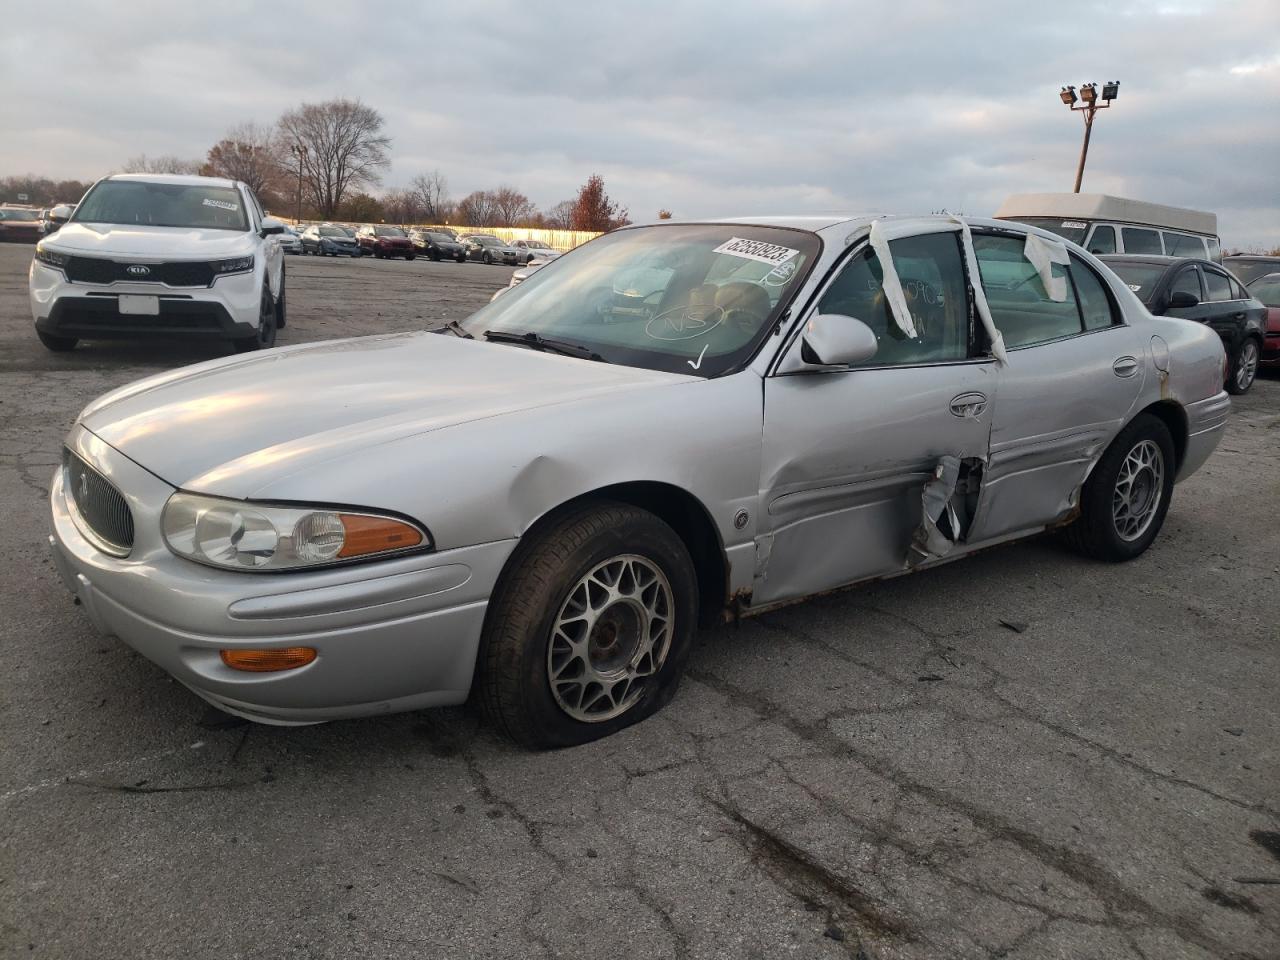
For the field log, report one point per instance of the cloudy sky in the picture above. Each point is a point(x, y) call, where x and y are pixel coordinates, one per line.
point(705, 108)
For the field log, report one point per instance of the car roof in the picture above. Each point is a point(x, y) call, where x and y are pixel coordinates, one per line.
point(176, 178)
point(1257, 257)
point(1151, 258)
point(1102, 206)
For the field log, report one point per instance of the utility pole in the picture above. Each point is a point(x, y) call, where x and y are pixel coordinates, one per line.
point(1089, 106)
point(299, 150)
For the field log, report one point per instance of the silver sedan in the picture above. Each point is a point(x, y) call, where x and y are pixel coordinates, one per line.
point(670, 424)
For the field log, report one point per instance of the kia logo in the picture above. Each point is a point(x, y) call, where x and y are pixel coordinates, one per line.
point(139, 270)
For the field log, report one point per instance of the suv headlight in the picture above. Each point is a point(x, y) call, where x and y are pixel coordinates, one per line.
point(50, 259)
point(235, 265)
point(240, 535)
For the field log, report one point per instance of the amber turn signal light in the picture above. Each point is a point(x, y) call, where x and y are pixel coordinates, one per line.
point(366, 535)
point(268, 661)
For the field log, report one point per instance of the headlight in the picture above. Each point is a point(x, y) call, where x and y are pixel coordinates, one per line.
point(240, 535)
point(51, 259)
point(236, 265)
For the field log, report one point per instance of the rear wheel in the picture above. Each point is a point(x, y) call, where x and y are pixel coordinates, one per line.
point(410, 256)
point(57, 344)
point(590, 629)
point(1124, 501)
point(1245, 368)
point(487, 258)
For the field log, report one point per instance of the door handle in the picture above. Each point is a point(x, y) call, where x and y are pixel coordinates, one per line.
point(968, 405)
point(1125, 367)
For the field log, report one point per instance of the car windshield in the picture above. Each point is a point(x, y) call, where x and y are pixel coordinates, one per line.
point(200, 206)
point(388, 231)
point(19, 215)
point(692, 298)
point(1073, 230)
point(1249, 270)
point(488, 241)
point(1141, 278)
point(333, 232)
point(1267, 289)
point(440, 237)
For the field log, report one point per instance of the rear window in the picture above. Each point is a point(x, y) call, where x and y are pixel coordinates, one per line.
point(198, 206)
point(1137, 240)
point(1141, 278)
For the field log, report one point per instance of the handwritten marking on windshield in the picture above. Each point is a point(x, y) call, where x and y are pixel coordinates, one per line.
point(700, 356)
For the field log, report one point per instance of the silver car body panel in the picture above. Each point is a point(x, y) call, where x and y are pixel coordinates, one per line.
point(811, 481)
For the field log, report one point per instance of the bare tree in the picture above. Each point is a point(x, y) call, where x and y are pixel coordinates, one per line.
point(342, 148)
point(512, 208)
point(252, 154)
point(40, 190)
point(432, 190)
point(560, 216)
point(166, 164)
point(477, 209)
point(403, 207)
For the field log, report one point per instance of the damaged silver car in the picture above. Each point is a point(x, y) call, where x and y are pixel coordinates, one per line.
point(537, 505)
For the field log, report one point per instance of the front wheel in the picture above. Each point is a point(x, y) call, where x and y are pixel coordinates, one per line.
point(266, 335)
point(410, 256)
point(590, 629)
point(1245, 369)
point(1124, 501)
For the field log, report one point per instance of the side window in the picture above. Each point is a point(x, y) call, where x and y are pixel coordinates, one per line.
point(1103, 240)
point(931, 271)
point(1137, 240)
point(1188, 281)
point(1095, 305)
point(1215, 249)
point(1216, 286)
point(1182, 245)
point(1020, 305)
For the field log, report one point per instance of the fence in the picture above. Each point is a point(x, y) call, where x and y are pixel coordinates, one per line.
point(558, 239)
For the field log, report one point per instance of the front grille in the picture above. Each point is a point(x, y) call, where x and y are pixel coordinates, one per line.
point(178, 273)
point(100, 505)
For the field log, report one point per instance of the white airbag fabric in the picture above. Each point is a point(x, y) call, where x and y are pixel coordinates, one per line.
point(1043, 254)
point(890, 283)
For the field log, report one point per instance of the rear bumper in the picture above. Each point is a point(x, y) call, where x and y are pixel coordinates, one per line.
point(395, 635)
point(1206, 423)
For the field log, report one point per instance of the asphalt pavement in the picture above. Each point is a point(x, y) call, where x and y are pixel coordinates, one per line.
point(1024, 754)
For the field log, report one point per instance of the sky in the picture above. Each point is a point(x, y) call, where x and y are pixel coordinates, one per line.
point(703, 108)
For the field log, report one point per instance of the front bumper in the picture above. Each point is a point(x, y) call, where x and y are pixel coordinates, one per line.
point(390, 636)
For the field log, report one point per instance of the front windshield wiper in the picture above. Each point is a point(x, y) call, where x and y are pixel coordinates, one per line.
point(539, 342)
point(454, 327)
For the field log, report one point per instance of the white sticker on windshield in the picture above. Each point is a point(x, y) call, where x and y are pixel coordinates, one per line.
point(756, 250)
point(1135, 287)
point(222, 204)
point(1076, 224)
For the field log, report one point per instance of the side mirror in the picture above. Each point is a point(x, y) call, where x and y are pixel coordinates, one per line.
point(61, 213)
point(271, 227)
point(830, 340)
point(1181, 300)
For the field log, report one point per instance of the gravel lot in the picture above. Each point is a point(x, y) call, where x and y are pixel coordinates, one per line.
point(890, 770)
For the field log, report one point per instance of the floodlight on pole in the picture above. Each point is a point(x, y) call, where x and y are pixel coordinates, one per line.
point(1088, 107)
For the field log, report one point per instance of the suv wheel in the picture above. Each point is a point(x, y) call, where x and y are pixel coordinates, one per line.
point(266, 335)
point(1245, 369)
point(590, 629)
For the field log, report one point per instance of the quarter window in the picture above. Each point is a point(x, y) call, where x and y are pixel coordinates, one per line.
point(931, 270)
point(1020, 305)
point(1103, 240)
point(1216, 286)
point(1137, 240)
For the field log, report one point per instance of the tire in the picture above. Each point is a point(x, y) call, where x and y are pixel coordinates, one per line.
point(1244, 367)
point(435, 257)
point(280, 303)
point(544, 582)
point(266, 335)
point(487, 258)
point(410, 256)
point(461, 259)
point(57, 344)
point(1097, 531)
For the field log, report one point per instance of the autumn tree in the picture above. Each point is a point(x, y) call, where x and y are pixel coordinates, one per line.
point(594, 211)
point(342, 149)
point(254, 155)
point(163, 164)
point(432, 190)
point(664, 214)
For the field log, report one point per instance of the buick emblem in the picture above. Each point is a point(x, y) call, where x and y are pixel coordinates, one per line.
point(138, 270)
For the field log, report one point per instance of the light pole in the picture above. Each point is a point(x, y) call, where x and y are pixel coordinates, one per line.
point(299, 150)
point(1089, 106)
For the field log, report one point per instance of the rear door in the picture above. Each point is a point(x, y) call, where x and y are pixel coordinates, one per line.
point(1073, 374)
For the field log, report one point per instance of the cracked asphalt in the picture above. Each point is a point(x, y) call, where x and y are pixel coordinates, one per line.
point(1024, 754)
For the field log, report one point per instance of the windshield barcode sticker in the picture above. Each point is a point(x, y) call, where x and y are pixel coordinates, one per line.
point(222, 204)
point(1074, 224)
point(756, 250)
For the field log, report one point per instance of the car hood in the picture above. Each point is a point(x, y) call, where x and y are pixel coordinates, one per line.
point(171, 243)
point(230, 426)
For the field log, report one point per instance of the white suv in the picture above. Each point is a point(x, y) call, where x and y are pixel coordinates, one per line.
point(146, 254)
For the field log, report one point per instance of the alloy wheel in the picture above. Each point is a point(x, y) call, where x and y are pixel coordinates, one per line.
point(1138, 491)
point(1247, 366)
point(610, 637)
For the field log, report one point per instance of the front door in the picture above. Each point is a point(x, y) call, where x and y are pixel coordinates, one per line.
point(847, 453)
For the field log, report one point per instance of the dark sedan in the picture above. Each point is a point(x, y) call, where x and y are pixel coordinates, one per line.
point(385, 242)
point(437, 245)
point(1267, 289)
point(1201, 290)
point(329, 241)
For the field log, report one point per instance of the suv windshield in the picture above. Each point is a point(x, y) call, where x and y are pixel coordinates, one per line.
point(163, 205)
point(334, 232)
point(19, 215)
point(388, 231)
point(692, 298)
